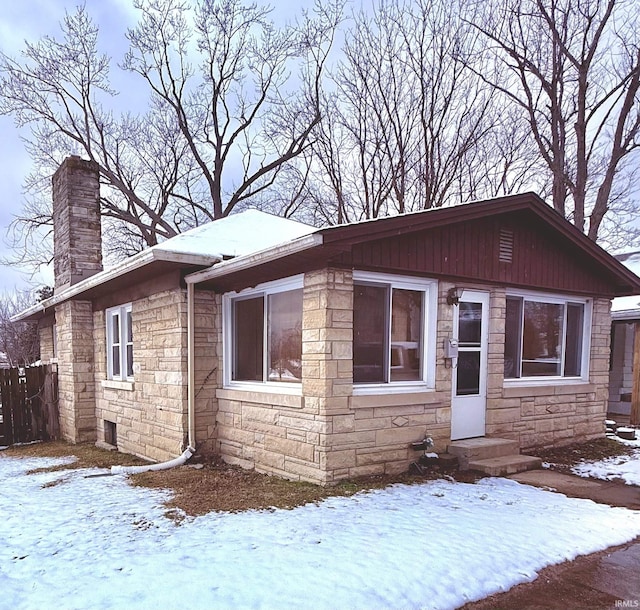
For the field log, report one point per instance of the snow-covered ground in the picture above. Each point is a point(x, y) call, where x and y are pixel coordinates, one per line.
point(625, 467)
point(76, 542)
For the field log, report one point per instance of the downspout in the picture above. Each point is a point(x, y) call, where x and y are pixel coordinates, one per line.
point(191, 387)
point(179, 461)
point(191, 400)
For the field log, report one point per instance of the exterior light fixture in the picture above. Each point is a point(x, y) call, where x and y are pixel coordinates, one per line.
point(453, 296)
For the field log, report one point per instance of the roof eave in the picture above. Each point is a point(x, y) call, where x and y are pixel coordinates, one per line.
point(248, 261)
point(137, 261)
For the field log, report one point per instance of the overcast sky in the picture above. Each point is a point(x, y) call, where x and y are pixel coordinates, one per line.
point(30, 21)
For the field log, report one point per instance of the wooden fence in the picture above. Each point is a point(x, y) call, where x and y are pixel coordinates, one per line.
point(29, 404)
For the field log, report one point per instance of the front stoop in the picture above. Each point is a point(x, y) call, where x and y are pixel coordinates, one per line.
point(493, 456)
point(506, 464)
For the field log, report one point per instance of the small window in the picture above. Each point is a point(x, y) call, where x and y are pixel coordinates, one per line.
point(266, 334)
point(119, 343)
point(110, 433)
point(544, 337)
point(389, 322)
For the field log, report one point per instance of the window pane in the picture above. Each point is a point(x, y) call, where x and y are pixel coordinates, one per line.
point(469, 323)
point(285, 336)
point(513, 334)
point(542, 339)
point(248, 325)
point(468, 373)
point(115, 360)
point(115, 329)
point(129, 360)
point(406, 329)
point(370, 304)
point(573, 345)
point(129, 328)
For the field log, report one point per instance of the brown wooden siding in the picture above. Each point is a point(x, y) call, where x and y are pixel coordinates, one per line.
point(470, 251)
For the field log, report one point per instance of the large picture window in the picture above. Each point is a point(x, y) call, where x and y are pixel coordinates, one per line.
point(266, 335)
point(119, 343)
point(545, 337)
point(389, 329)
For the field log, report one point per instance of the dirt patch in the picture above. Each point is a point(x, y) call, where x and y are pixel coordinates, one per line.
point(565, 458)
point(215, 486)
point(572, 584)
point(87, 455)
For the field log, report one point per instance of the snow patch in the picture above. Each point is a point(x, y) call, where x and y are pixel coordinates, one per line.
point(100, 542)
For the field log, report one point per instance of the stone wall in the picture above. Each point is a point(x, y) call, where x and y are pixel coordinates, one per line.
point(549, 414)
point(47, 351)
point(208, 370)
point(76, 377)
point(327, 434)
point(150, 412)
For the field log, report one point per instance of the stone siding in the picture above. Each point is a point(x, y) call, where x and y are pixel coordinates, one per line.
point(47, 343)
point(207, 365)
point(76, 382)
point(150, 413)
point(328, 434)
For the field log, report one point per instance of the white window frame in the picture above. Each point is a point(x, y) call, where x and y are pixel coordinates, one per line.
point(429, 288)
point(120, 311)
point(562, 299)
point(291, 283)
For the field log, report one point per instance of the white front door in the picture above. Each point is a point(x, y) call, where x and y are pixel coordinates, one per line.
point(469, 397)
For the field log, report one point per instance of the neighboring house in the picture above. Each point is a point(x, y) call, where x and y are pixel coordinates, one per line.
point(624, 382)
point(321, 354)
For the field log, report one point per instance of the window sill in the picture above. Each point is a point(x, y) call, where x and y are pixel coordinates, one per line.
point(547, 387)
point(114, 384)
point(267, 395)
point(376, 389)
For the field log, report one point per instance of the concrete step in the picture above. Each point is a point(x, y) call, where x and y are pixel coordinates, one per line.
point(482, 448)
point(505, 464)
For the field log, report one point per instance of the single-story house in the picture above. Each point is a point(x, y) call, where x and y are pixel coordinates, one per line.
point(321, 354)
point(624, 376)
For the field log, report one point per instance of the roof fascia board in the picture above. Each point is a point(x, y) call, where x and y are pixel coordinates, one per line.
point(131, 264)
point(626, 314)
point(241, 263)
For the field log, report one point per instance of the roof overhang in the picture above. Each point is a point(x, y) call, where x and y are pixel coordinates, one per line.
point(315, 250)
point(138, 268)
point(208, 277)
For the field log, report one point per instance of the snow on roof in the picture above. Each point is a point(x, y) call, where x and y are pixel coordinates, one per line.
point(631, 260)
point(243, 233)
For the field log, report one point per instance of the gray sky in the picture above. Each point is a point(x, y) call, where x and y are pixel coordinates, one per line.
point(30, 21)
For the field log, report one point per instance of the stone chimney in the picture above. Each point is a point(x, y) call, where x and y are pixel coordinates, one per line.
point(77, 240)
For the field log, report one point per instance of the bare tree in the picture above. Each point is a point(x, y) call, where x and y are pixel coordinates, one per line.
point(19, 341)
point(573, 70)
point(234, 111)
point(404, 127)
point(232, 100)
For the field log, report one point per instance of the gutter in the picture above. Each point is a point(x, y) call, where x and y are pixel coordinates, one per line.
point(625, 314)
point(131, 264)
point(241, 263)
